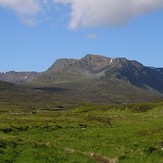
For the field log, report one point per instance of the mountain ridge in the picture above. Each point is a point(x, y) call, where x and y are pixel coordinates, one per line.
point(96, 66)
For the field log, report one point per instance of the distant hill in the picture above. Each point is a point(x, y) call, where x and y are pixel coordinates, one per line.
point(96, 78)
point(17, 77)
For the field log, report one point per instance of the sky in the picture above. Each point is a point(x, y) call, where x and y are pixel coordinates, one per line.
point(35, 33)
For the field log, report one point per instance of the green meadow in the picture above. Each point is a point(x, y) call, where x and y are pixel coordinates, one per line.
point(83, 134)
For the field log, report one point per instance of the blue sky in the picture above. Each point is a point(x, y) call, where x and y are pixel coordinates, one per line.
point(33, 38)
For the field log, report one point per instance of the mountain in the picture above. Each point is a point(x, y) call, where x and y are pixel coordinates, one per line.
point(17, 77)
point(95, 78)
point(101, 67)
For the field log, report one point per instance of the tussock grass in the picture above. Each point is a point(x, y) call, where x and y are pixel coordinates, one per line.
point(85, 133)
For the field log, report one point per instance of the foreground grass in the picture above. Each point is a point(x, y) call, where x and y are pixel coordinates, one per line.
point(86, 133)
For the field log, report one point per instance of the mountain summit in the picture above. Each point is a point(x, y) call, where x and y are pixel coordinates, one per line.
point(93, 64)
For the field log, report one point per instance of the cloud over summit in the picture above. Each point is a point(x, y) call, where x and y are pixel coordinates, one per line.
point(87, 13)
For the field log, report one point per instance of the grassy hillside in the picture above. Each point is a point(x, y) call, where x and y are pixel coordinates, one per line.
point(101, 91)
point(85, 133)
point(23, 98)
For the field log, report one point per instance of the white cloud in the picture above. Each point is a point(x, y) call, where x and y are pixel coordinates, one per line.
point(93, 13)
point(25, 9)
point(85, 13)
